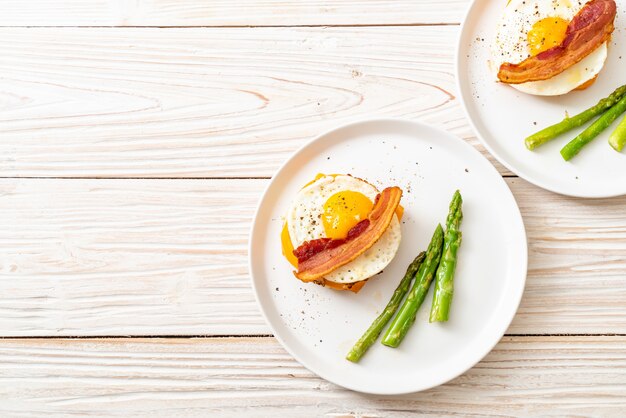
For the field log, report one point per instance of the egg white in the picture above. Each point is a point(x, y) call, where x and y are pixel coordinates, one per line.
point(304, 223)
point(511, 45)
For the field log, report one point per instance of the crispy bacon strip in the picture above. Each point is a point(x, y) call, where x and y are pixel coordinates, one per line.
point(330, 259)
point(590, 28)
point(309, 248)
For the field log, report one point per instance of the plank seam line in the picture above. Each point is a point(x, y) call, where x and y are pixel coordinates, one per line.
point(208, 336)
point(506, 176)
point(617, 334)
point(131, 178)
point(346, 25)
point(130, 337)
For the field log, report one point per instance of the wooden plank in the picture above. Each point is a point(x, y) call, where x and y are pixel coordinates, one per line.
point(207, 102)
point(228, 13)
point(126, 257)
point(573, 244)
point(168, 257)
point(522, 376)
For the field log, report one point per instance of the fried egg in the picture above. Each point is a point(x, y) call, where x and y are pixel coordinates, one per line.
point(529, 27)
point(328, 208)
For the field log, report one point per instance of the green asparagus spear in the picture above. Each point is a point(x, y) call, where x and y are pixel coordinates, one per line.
point(444, 285)
point(372, 333)
point(568, 123)
point(406, 316)
point(575, 145)
point(618, 138)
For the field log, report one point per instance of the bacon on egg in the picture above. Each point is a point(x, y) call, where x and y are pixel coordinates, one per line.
point(590, 28)
point(319, 257)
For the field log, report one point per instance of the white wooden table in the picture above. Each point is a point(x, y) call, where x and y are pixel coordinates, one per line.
point(135, 139)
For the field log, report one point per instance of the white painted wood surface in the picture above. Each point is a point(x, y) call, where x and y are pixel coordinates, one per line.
point(228, 12)
point(148, 102)
point(255, 377)
point(131, 160)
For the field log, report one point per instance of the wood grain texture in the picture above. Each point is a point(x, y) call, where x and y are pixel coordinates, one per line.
point(208, 102)
point(521, 377)
point(126, 257)
point(227, 12)
point(168, 257)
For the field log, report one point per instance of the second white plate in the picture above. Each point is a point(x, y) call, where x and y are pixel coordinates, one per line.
point(319, 325)
point(502, 117)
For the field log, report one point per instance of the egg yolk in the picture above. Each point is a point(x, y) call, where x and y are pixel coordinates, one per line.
point(287, 246)
point(546, 33)
point(342, 211)
point(319, 176)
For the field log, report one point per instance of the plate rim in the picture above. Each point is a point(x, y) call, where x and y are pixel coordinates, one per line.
point(449, 376)
point(516, 170)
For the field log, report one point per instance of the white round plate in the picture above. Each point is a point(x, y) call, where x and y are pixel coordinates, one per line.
point(502, 117)
point(318, 325)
